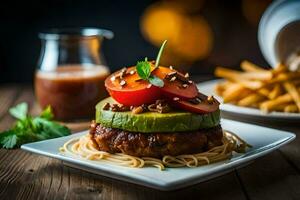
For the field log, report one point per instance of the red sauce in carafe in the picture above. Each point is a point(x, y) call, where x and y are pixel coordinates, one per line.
point(72, 90)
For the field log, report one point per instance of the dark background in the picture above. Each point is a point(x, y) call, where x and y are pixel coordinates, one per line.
point(235, 38)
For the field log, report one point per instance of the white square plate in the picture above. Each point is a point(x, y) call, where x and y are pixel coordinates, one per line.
point(264, 140)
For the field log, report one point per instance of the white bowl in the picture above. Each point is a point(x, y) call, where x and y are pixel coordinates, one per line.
point(278, 16)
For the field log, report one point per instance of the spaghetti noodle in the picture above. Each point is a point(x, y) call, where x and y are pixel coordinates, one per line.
point(83, 147)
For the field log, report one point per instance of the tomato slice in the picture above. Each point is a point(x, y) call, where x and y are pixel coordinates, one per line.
point(136, 97)
point(134, 92)
point(202, 106)
point(130, 90)
point(176, 89)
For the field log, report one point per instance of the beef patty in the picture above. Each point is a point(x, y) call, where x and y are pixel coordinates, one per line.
point(155, 144)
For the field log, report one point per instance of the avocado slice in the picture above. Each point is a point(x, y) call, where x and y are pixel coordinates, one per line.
point(176, 121)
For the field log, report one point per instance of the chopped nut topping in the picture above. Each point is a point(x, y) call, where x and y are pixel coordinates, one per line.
point(173, 78)
point(123, 108)
point(210, 99)
point(176, 99)
point(122, 82)
point(144, 106)
point(159, 106)
point(123, 72)
point(152, 107)
point(106, 106)
point(116, 107)
point(184, 85)
point(137, 110)
point(113, 78)
point(182, 78)
point(190, 82)
point(172, 74)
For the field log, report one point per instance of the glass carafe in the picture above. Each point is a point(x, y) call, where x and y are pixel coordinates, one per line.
point(71, 72)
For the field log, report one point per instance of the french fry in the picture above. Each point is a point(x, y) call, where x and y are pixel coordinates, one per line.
point(275, 92)
point(292, 90)
point(264, 91)
point(270, 105)
point(280, 68)
point(287, 76)
point(277, 89)
point(251, 67)
point(281, 107)
point(251, 100)
point(253, 85)
point(292, 108)
point(220, 88)
point(236, 75)
point(232, 93)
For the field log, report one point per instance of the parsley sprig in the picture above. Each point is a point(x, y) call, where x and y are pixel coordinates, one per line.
point(143, 69)
point(30, 129)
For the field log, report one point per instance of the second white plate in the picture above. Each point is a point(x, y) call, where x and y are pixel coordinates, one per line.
point(208, 88)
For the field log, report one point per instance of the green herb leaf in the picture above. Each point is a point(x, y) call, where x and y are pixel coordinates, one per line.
point(19, 111)
point(143, 69)
point(53, 129)
point(159, 53)
point(9, 141)
point(6, 133)
point(154, 80)
point(47, 113)
point(31, 129)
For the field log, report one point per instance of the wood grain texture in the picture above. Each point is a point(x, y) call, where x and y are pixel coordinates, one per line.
point(271, 177)
point(28, 176)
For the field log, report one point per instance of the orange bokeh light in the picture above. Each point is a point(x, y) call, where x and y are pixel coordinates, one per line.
point(189, 37)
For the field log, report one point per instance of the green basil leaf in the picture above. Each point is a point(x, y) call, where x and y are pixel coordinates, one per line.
point(143, 69)
point(154, 80)
point(19, 111)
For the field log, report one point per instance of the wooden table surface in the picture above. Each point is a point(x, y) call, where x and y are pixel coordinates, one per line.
point(29, 176)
